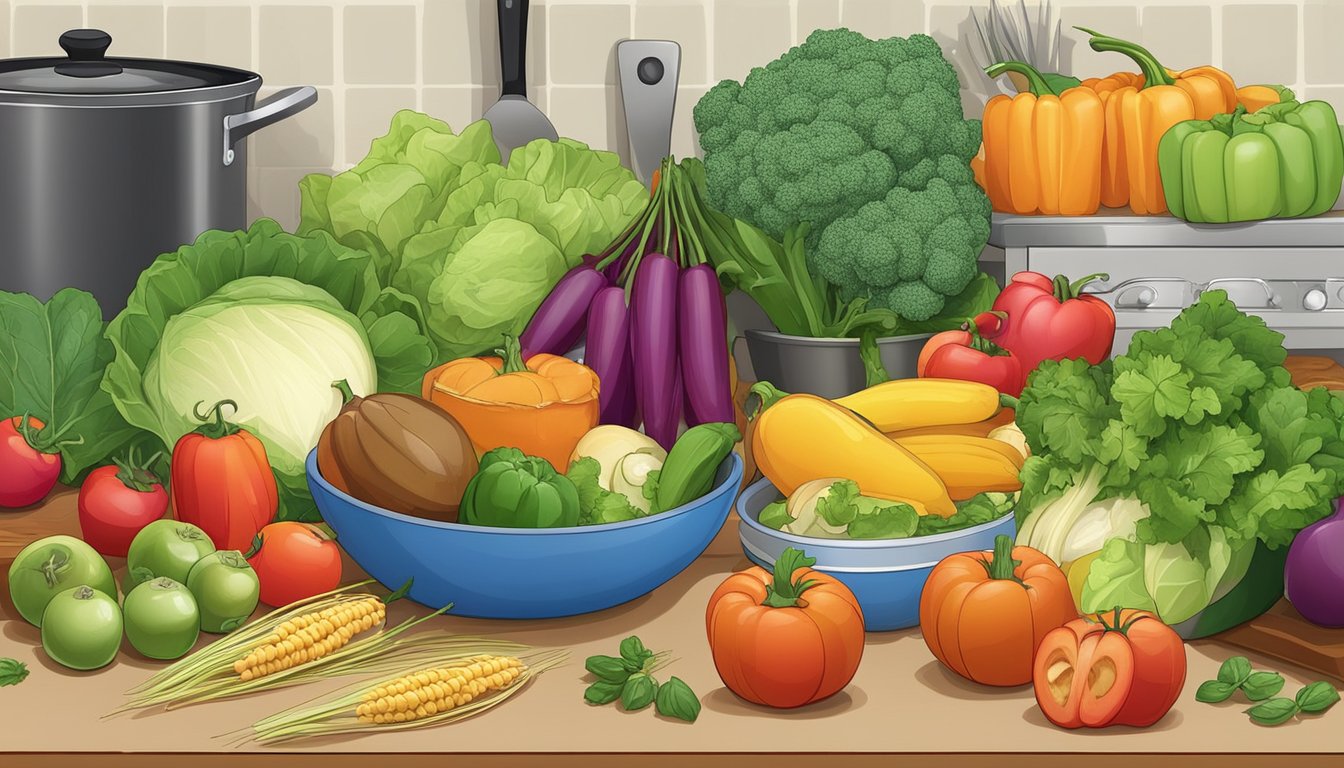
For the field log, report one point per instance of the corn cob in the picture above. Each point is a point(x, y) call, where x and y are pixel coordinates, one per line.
point(431, 691)
point(310, 636)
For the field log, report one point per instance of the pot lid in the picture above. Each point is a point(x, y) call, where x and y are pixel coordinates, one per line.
point(87, 70)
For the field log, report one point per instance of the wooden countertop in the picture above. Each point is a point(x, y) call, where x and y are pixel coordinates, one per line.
point(901, 703)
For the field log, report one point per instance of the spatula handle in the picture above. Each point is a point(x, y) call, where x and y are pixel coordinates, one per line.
point(513, 47)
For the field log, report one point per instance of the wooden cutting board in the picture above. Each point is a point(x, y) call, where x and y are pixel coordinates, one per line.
point(1282, 633)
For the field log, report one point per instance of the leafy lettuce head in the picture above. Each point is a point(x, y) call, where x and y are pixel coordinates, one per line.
point(478, 243)
point(268, 320)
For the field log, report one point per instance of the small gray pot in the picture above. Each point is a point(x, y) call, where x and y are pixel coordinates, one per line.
point(828, 368)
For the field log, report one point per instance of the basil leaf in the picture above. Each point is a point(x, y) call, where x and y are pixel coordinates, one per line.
point(676, 699)
point(638, 692)
point(1262, 685)
point(12, 672)
point(1234, 671)
point(608, 669)
point(1214, 691)
point(633, 651)
point(602, 692)
point(1273, 712)
point(1317, 697)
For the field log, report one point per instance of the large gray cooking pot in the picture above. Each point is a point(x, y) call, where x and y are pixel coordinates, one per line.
point(829, 368)
point(105, 163)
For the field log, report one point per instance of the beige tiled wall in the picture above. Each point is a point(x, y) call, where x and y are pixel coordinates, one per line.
point(369, 58)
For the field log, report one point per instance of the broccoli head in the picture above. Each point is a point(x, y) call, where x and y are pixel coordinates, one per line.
point(865, 141)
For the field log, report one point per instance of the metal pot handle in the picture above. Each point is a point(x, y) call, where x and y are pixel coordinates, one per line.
point(286, 103)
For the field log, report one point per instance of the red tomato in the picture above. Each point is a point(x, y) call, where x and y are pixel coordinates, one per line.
point(1121, 668)
point(116, 502)
point(294, 561)
point(27, 474)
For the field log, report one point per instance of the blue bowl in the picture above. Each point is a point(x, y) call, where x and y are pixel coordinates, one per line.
point(517, 573)
point(886, 575)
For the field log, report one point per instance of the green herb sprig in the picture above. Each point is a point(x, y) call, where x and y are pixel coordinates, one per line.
point(12, 672)
point(629, 679)
point(1236, 674)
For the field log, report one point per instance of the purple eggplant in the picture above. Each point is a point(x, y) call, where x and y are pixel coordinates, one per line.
point(559, 321)
point(608, 354)
point(653, 344)
point(702, 346)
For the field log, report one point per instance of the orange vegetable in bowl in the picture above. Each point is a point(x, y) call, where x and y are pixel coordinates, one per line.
point(984, 614)
point(541, 407)
point(1120, 668)
point(787, 638)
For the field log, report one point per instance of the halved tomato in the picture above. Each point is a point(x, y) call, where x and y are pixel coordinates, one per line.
point(1120, 668)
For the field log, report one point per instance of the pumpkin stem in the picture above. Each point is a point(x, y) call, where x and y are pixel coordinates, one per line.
point(1001, 564)
point(347, 394)
point(219, 427)
point(785, 592)
point(512, 355)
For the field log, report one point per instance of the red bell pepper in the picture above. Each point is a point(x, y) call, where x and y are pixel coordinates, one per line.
point(968, 356)
point(222, 481)
point(1045, 319)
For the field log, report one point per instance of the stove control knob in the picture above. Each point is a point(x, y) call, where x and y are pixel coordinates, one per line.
point(1314, 300)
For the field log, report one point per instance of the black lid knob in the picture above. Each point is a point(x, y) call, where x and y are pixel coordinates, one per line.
point(86, 44)
point(650, 71)
point(86, 49)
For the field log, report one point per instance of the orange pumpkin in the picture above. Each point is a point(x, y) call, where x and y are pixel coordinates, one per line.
point(984, 614)
point(541, 407)
point(787, 638)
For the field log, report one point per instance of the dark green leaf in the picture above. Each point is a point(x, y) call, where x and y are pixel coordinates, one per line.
point(633, 651)
point(1214, 691)
point(638, 692)
point(402, 591)
point(1273, 712)
point(608, 669)
point(52, 359)
point(676, 699)
point(13, 672)
point(602, 692)
point(1234, 671)
point(1262, 685)
point(1317, 697)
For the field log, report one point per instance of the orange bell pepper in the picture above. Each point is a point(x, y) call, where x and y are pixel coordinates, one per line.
point(1114, 176)
point(1211, 90)
point(1043, 149)
point(542, 407)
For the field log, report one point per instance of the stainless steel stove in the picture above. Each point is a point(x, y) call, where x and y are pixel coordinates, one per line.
point(1288, 271)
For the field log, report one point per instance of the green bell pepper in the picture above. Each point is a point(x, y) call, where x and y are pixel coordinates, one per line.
point(514, 490)
point(1284, 161)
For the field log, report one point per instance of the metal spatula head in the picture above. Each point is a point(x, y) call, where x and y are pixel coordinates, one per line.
point(514, 120)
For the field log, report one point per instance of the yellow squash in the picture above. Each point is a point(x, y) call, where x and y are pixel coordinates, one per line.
point(913, 403)
point(968, 465)
point(800, 438)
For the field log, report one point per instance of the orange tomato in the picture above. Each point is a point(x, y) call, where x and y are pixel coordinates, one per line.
point(787, 638)
point(984, 614)
point(1123, 668)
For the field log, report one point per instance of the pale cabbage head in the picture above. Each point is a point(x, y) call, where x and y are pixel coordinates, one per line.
point(272, 345)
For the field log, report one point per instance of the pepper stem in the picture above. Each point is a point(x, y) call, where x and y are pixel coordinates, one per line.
point(1008, 401)
point(766, 395)
point(1064, 290)
point(1153, 71)
point(219, 427)
point(785, 592)
point(1035, 81)
point(512, 355)
point(1001, 564)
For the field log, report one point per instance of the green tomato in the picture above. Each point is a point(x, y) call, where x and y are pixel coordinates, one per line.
point(162, 620)
point(81, 628)
point(167, 548)
point(50, 566)
point(226, 590)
